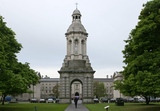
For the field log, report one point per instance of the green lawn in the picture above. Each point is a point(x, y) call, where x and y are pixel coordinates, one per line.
point(33, 107)
point(91, 107)
point(126, 107)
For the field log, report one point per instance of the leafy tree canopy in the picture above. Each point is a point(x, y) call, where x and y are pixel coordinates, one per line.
point(55, 90)
point(15, 77)
point(99, 89)
point(142, 54)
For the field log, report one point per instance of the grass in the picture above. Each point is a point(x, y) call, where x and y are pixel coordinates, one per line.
point(33, 107)
point(91, 107)
point(126, 107)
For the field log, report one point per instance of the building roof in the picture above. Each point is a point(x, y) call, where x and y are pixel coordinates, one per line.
point(76, 11)
point(103, 79)
point(49, 80)
point(76, 26)
point(95, 79)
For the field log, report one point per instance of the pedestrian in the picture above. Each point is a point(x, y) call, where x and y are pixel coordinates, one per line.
point(76, 100)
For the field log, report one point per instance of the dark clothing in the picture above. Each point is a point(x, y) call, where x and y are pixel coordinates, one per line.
point(76, 101)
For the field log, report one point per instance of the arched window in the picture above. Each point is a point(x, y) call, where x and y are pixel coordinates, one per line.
point(76, 46)
point(70, 41)
point(82, 46)
point(69, 46)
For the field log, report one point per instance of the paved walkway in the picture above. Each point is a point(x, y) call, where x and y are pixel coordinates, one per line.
point(80, 107)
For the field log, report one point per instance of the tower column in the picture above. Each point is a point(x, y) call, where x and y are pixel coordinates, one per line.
point(72, 47)
point(68, 45)
point(80, 49)
point(80, 46)
point(85, 51)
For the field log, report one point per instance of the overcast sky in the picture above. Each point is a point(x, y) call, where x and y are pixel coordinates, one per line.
point(40, 26)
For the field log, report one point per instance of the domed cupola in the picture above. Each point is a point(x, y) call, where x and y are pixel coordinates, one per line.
point(76, 14)
point(76, 37)
point(76, 26)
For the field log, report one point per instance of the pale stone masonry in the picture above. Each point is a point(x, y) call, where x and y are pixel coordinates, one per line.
point(44, 88)
point(117, 76)
point(76, 65)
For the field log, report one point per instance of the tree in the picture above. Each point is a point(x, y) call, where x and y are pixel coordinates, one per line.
point(15, 77)
point(142, 55)
point(56, 90)
point(8, 47)
point(99, 89)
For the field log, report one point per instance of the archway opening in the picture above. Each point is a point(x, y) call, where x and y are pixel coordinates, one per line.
point(77, 94)
point(76, 89)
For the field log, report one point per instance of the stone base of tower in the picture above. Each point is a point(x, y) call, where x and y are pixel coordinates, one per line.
point(68, 100)
point(65, 100)
point(76, 70)
point(88, 100)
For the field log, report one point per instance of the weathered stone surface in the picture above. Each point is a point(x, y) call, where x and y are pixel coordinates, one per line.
point(76, 65)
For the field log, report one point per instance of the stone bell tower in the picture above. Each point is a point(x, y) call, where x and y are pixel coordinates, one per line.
point(76, 65)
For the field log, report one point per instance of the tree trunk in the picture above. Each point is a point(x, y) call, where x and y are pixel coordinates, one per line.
point(33, 90)
point(3, 99)
point(147, 100)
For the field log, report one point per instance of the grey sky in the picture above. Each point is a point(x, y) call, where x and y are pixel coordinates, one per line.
point(40, 26)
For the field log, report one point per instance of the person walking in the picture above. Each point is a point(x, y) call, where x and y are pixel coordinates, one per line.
point(76, 100)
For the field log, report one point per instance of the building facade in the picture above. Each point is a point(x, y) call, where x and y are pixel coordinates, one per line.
point(44, 89)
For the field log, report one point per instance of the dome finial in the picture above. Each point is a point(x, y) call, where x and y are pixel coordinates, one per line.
point(76, 5)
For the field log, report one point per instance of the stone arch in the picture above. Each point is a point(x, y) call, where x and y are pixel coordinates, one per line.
point(78, 90)
point(76, 79)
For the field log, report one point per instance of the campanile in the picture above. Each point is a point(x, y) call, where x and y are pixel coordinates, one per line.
point(76, 66)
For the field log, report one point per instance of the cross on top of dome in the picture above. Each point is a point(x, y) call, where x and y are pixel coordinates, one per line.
point(76, 5)
point(76, 11)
